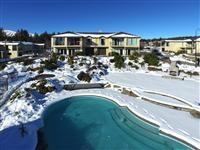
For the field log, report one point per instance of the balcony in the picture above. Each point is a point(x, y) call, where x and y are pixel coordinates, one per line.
point(118, 42)
point(74, 42)
point(59, 41)
point(90, 43)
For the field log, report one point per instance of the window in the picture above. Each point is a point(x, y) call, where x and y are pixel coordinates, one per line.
point(59, 41)
point(14, 48)
point(167, 44)
point(118, 41)
point(73, 41)
point(131, 41)
point(89, 41)
point(102, 41)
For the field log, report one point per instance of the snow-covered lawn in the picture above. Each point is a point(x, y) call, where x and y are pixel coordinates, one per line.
point(29, 110)
point(186, 89)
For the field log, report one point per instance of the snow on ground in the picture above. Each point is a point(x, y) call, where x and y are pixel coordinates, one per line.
point(186, 89)
point(180, 58)
point(28, 110)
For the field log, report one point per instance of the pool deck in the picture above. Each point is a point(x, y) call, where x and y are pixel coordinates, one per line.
point(175, 123)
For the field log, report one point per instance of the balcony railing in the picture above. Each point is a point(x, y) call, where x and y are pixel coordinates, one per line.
point(73, 42)
point(118, 42)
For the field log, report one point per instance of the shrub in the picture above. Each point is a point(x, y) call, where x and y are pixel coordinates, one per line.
point(135, 66)
point(151, 59)
point(191, 73)
point(195, 73)
point(70, 60)
point(41, 70)
point(119, 61)
point(142, 63)
point(78, 53)
point(50, 65)
point(105, 66)
point(84, 76)
point(71, 66)
point(99, 64)
point(113, 53)
point(154, 69)
point(134, 56)
point(92, 68)
point(95, 60)
point(180, 52)
point(2, 66)
point(41, 88)
point(62, 58)
point(112, 60)
point(27, 62)
point(130, 63)
point(54, 57)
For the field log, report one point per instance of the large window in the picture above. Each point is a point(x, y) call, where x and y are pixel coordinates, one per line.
point(131, 41)
point(73, 41)
point(118, 41)
point(59, 41)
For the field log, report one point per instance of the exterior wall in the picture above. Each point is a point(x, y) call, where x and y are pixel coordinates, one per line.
point(176, 46)
point(173, 46)
point(197, 47)
point(96, 45)
point(13, 53)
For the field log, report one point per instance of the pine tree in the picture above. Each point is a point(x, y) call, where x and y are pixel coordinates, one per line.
point(22, 35)
point(2, 35)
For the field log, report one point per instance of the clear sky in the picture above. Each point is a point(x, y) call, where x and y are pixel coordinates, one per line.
point(147, 18)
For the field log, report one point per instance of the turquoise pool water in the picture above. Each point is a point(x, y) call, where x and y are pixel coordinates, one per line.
point(89, 122)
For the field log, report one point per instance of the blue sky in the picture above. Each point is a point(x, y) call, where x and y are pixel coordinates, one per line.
point(147, 18)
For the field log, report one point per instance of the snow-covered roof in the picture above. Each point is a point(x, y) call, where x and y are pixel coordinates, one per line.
point(185, 40)
point(16, 43)
point(39, 44)
point(123, 35)
point(95, 34)
point(198, 39)
point(9, 43)
point(68, 34)
point(27, 43)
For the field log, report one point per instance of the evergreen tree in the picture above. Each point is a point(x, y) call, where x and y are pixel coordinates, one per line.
point(46, 39)
point(2, 35)
point(22, 35)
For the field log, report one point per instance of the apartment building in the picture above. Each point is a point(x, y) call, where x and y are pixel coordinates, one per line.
point(17, 49)
point(95, 43)
point(185, 45)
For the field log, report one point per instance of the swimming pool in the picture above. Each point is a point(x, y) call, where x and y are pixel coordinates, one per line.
point(90, 122)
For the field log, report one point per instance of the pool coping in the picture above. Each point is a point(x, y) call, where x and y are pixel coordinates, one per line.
point(164, 131)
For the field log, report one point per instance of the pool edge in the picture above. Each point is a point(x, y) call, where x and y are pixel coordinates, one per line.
point(164, 131)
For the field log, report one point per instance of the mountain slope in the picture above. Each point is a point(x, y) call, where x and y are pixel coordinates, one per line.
point(12, 33)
